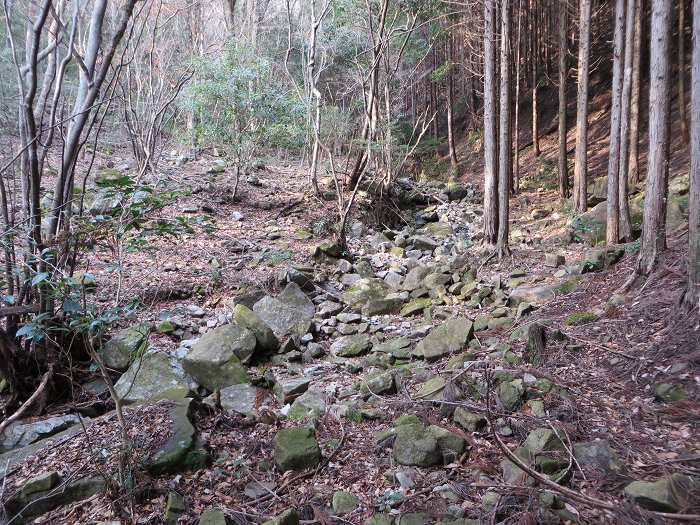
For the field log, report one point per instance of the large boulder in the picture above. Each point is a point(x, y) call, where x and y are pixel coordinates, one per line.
point(246, 318)
point(288, 314)
point(296, 449)
point(450, 337)
point(124, 346)
point(216, 360)
point(151, 377)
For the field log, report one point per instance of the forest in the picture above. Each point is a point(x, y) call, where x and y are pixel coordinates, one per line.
point(367, 262)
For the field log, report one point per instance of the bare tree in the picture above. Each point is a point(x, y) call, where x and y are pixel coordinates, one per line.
point(580, 196)
point(654, 227)
point(490, 159)
point(613, 218)
point(692, 294)
point(505, 141)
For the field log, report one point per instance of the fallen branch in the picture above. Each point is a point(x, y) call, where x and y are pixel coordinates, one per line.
point(21, 410)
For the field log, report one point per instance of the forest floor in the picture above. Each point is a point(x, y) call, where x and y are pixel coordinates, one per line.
point(603, 368)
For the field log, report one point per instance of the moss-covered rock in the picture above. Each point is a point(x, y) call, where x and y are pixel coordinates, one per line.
point(296, 449)
point(288, 517)
point(344, 502)
point(151, 377)
point(669, 494)
point(246, 318)
point(125, 346)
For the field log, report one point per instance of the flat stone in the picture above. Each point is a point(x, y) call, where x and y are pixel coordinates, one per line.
point(399, 348)
point(241, 399)
point(21, 434)
point(288, 517)
point(212, 517)
point(344, 502)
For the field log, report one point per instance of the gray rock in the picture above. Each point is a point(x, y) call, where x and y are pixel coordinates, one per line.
point(510, 393)
point(241, 399)
point(153, 376)
point(216, 360)
point(296, 449)
point(124, 346)
point(351, 345)
point(669, 494)
point(286, 391)
point(597, 454)
point(290, 313)
point(288, 517)
point(20, 434)
point(329, 308)
point(469, 421)
point(212, 517)
point(399, 348)
point(310, 405)
point(450, 337)
point(377, 383)
point(364, 291)
point(414, 278)
point(414, 446)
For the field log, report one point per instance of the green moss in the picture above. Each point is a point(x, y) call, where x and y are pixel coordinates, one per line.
point(566, 287)
point(580, 318)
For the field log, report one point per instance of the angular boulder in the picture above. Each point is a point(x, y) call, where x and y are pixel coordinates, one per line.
point(216, 360)
point(151, 377)
point(366, 291)
point(290, 313)
point(246, 318)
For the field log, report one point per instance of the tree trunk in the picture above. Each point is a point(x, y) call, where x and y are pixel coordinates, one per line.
point(581, 159)
point(516, 123)
point(505, 142)
point(692, 295)
point(681, 71)
point(450, 110)
point(654, 227)
point(613, 218)
point(633, 174)
point(535, 82)
point(229, 7)
point(490, 167)
point(563, 167)
point(625, 222)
